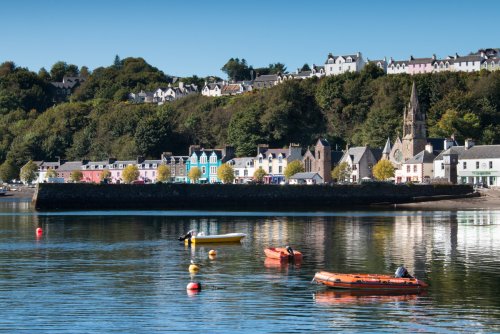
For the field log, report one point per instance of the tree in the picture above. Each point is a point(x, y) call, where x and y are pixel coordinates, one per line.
point(225, 173)
point(277, 68)
point(342, 172)
point(29, 172)
point(43, 74)
point(105, 175)
point(163, 173)
point(130, 173)
point(50, 173)
point(8, 171)
point(76, 176)
point(194, 174)
point(383, 170)
point(236, 69)
point(293, 168)
point(259, 174)
point(117, 63)
point(305, 67)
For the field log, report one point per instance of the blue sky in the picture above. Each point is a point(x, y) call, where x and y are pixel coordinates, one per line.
point(183, 38)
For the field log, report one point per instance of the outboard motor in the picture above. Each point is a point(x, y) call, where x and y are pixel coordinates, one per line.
point(401, 272)
point(291, 255)
point(186, 236)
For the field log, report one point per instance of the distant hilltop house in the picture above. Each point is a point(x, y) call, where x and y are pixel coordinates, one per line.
point(63, 90)
point(225, 88)
point(164, 94)
point(335, 65)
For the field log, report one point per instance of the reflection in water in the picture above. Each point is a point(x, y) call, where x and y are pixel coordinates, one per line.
point(112, 271)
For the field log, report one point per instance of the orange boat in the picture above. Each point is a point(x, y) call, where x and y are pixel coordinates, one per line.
point(282, 254)
point(368, 282)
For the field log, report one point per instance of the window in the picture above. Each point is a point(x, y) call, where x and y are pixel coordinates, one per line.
point(354, 167)
point(260, 160)
point(245, 172)
point(203, 159)
point(270, 169)
point(203, 170)
point(319, 155)
point(280, 159)
point(354, 178)
point(477, 164)
point(442, 165)
point(213, 158)
point(193, 159)
point(213, 170)
point(464, 165)
point(236, 173)
point(280, 170)
point(407, 168)
point(414, 168)
point(491, 164)
point(270, 159)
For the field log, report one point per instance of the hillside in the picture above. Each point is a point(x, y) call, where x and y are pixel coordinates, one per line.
point(359, 109)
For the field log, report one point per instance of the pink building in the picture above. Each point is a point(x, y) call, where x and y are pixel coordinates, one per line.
point(421, 65)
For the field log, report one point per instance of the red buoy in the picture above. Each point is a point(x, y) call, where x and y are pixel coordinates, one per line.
point(39, 231)
point(194, 286)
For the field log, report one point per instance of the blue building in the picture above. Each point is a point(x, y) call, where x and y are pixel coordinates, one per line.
point(208, 161)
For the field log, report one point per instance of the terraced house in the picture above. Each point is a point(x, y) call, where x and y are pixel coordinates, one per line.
point(208, 161)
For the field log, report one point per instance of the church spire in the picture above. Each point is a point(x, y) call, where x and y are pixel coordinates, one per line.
point(414, 106)
point(387, 147)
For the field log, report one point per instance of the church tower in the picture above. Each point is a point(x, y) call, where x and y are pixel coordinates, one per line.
point(414, 130)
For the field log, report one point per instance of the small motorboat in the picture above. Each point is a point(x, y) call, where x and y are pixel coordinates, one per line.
point(197, 238)
point(283, 254)
point(369, 281)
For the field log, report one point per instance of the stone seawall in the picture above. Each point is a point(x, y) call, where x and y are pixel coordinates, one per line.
point(81, 196)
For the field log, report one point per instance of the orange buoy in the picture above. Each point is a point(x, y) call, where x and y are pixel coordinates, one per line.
point(194, 286)
point(193, 268)
point(39, 231)
point(212, 252)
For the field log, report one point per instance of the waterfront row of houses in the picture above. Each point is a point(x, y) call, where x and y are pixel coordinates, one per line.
point(163, 94)
point(415, 157)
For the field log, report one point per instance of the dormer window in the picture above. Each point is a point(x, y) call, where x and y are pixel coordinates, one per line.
point(280, 159)
point(260, 160)
point(203, 159)
point(270, 158)
point(194, 159)
point(213, 158)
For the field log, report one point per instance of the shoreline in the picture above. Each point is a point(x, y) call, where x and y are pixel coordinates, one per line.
point(489, 199)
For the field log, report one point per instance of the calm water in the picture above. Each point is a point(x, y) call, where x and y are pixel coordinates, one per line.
point(125, 272)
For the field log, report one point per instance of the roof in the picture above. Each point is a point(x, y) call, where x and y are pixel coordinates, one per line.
point(470, 58)
point(240, 162)
point(356, 153)
point(481, 152)
point(452, 150)
point(208, 153)
point(421, 60)
point(421, 158)
point(275, 152)
point(387, 147)
point(70, 166)
point(266, 77)
point(231, 88)
point(306, 175)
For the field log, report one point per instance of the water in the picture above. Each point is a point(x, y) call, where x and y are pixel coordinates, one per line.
point(125, 272)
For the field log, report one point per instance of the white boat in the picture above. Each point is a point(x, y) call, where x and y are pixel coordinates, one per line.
point(3, 192)
point(201, 238)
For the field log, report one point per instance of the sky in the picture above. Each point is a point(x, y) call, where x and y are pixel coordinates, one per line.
point(184, 38)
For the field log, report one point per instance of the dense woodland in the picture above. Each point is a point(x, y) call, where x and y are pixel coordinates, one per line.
point(360, 109)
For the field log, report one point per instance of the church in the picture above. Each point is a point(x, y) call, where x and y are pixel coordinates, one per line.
point(414, 154)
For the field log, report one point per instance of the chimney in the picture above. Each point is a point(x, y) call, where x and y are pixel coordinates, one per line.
point(448, 142)
point(228, 153)
point(181, 84)
point(469, 143)
point(261, 148)
point(166, 155)
point(140, 159)
point(193, 148)
point(429, 148)
point(456, 55)
point(433, 56)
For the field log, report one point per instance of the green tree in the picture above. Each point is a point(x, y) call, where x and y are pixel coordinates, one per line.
point(277, 68)
point(51, 173)
point(305, 67)
point(236, 69)
point(117, 63)
point(76, 176)
point(342, 172)
point(29, 172)
point(244, 131)
point(8, 171)
point(130, 173)
point(225, 173)
point(194, 174)
point(383, 170)
point(293, 168)
point(163, 173)
point(259, 174)
point(43, 74)
point(105, 175)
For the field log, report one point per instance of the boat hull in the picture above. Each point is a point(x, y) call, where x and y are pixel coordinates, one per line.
point(368, 282)
point(216, 238)
point(281, 254)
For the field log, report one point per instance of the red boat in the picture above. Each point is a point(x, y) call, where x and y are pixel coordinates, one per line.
point(369, 282)
point(282, 254)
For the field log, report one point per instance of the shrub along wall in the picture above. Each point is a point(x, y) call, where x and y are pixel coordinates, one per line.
point(234, 197)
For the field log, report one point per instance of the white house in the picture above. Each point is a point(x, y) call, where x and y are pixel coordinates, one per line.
point(471, 63)
point(418, 169)
point(397, 66)
point(342, 64)
point(243, 169)
point(212, 89)
point(306, 178)
point(274, 161)
point(361, 161)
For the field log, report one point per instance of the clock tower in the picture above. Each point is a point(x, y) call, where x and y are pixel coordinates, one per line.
point(414, 130)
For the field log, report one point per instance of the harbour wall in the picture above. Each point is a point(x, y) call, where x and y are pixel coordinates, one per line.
point(229, 197)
